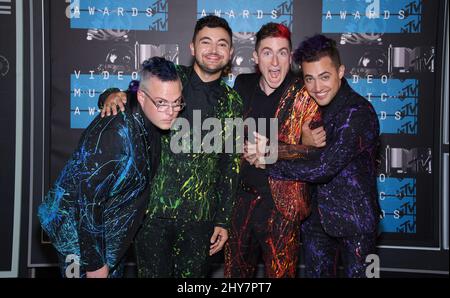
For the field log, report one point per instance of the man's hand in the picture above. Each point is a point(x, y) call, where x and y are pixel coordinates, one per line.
point(218, 239)
point(112, 101)
point(99, 273)
point(313, 137)
point(255, 153)
point(250, 153)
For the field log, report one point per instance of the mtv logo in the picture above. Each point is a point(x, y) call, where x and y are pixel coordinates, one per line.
point(146, 51)
point(407, 60)
point(407, 161)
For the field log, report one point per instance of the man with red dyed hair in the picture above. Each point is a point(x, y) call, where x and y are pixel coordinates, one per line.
point(267, 213)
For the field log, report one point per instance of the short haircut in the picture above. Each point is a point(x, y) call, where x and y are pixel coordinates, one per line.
point(212, 21)
point(160, 68)
point(316, 47)
point(273, 30)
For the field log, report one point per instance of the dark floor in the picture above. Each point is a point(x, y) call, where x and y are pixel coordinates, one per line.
point(217, 272)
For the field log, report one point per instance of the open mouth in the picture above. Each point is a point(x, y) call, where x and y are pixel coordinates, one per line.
point(213, 58)
point(321, 95)
point(274, 74)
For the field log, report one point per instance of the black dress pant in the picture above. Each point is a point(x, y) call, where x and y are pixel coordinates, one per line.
point(171, 248)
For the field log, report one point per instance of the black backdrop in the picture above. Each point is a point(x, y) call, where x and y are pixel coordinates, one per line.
point(393, 58)
point(8, 123)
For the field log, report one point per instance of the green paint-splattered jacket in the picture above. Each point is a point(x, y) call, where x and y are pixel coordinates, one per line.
point(198, 186)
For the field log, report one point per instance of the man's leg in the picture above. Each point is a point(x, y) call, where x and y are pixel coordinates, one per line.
point(354, 251)
point(191, 249)
point(279, 240)
point(321, 250)
point(154, 244)
point(241, 248)
point(118, 270)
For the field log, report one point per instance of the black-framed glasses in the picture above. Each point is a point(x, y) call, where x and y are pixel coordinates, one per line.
point(164, 106)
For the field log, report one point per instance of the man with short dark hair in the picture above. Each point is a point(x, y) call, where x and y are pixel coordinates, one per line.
point(92, 212)
point(192, 195)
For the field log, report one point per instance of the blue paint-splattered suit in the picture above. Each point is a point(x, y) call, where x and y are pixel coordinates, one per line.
point(345, 206)
point(98, 201)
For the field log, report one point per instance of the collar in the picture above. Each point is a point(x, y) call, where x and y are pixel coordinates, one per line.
point(280, 89)
point(142, 118)
point(196, 81)
point(338, 101)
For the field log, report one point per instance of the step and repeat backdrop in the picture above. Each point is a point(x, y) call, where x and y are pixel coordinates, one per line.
point(8, 94)
point(389, 48)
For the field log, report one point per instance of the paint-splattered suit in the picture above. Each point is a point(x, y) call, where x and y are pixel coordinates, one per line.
point(346, 211)
point(97, 203)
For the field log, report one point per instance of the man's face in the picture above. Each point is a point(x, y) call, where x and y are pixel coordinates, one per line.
point(274, 61)
point(322, 79)
point(156, 92)
point(212, 49)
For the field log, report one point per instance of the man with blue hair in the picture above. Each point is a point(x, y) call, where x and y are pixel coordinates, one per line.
point(97, 203)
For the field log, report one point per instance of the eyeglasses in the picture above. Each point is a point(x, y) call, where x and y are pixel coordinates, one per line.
point(163, 105)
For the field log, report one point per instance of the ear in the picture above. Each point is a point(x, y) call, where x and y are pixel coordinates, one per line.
point(255, 57)
point(341, 71)
point(191, 46)
point(140, 99)
point(231, 51)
